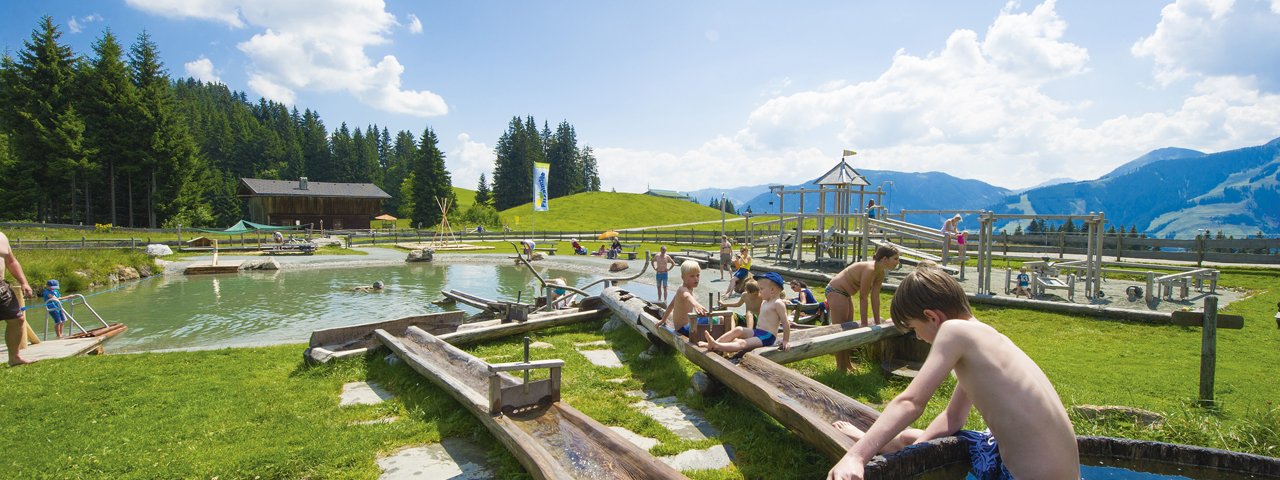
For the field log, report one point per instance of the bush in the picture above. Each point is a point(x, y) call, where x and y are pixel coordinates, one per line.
point(481, 215)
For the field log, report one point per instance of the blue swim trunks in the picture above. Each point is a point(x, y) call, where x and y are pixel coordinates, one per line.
point(984, 455)
point(58, 316)
point(765, 337)
point(683, 330)
point(741, 274)
point(662, 278)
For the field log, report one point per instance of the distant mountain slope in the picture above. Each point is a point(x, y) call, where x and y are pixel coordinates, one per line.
point(736, 195)
point(1236, 191)
point(1047, 183)
point(912, 191)
point(1169, 153)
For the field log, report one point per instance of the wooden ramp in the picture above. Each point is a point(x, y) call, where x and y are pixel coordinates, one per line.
point(803, 405)
point(552, 439)
point(480, 302)
point(828, 339)
point(84, 343)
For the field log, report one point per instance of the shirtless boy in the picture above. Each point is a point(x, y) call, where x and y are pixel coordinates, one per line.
point(1014, 397)
point(662, 264)
point(726, 255)
point(683, 302)
point(773, 313)
point(865, 278)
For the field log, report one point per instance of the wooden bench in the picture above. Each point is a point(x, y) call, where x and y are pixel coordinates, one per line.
point(549, 247)
point(629, 250)
point(305, 248)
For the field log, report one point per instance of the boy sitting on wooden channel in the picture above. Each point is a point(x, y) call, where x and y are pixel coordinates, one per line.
point(1012, 393)
point(773, 313)
point(683, 302)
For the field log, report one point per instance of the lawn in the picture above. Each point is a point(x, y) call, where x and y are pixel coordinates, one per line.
point(240, 413)
point(604, 210)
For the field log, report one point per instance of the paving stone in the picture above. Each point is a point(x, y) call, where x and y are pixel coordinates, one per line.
point(635, 393)
point(452, 458)
point(591, 344)
point(645, 443)
point(603, 358)
point(617, 380)
point(363, 393)
point(541, 345)
point(683, 421)
point(712, 458)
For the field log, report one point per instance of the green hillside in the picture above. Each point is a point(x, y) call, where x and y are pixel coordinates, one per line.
point(604, 210)
point(466, 198)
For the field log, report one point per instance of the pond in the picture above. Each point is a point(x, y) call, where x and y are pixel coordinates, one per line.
point(284, 306)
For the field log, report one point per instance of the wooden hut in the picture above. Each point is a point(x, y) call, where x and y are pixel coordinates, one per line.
point(321, 204)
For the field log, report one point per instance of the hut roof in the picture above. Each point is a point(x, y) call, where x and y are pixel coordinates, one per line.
point(843, 174)
point(257, 187)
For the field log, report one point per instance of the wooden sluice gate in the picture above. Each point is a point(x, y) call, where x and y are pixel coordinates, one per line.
point(550, 438)
point(803, 405)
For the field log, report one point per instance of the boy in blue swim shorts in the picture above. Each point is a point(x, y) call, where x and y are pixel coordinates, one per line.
point(1014, 397)
point(773, 314)
point(683, 302)
point(662, 263)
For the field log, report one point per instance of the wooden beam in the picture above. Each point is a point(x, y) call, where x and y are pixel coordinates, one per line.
point(1196, 319)
point(819, 345)
point(534, 323)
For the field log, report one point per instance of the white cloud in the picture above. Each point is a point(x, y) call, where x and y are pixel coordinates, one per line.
point(415, 24)
point(975, 109)
point(316, 46)
point(467, 160)
point(78, 25)
point(202, 69)
point(1215, 37)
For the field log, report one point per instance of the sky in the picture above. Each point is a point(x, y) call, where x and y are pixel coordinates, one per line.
point(726, 93)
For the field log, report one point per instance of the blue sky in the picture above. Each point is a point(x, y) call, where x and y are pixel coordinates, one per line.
point(688, 95)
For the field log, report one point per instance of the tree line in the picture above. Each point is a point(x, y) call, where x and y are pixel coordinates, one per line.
point(109, 138)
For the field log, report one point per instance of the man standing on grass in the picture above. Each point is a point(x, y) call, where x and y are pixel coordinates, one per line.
point(662, 263)
point(11, 302)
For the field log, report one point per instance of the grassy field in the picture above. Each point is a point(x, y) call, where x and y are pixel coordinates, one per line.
point(77, 270)
point(605, 210)
point(241, 413)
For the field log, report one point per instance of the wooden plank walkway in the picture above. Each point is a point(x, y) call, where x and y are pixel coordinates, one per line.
point(61, 348)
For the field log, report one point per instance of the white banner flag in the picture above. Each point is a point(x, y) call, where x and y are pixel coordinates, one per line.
point(540, 173)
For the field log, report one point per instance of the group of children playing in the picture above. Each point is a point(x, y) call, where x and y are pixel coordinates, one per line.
point(1012, 393)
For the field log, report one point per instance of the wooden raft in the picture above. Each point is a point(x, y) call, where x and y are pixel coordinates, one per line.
point(553, 441)
point(803, 405)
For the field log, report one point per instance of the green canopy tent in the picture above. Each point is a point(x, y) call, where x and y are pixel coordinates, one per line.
point(244, 226)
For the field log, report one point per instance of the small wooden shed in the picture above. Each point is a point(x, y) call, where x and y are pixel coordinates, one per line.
point(200, 242)
point(326, 205)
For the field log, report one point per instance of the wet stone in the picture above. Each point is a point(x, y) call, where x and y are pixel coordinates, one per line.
point(597, 343)
point(603, 358)
point(453, 459)
point(683, 421)
point(363, 393)
point(711, 458)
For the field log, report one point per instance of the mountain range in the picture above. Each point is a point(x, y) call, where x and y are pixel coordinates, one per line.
point(1168, 192)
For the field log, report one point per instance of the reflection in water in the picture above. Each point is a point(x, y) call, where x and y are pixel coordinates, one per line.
point(258, 308)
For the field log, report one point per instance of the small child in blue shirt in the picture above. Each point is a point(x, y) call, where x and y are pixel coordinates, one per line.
point(52, 301)
point(1024, 284)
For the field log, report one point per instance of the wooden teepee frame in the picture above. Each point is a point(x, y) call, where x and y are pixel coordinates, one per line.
point(444, 233)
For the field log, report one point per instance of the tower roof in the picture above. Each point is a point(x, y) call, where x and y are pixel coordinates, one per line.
point(842, 174)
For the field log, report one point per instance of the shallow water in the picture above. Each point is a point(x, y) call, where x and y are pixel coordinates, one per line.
point(259, 308)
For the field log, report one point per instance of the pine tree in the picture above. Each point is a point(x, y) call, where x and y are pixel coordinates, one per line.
point(517, 149)
point(342, 153)
point(590, 175)
point(401, 157)
point(431, 181)
point(46, 132)
point(111, 107)
point(315, 148)
point(566, 164)
point(482, 192)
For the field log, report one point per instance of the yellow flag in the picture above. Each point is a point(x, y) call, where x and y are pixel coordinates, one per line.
point(850, 153)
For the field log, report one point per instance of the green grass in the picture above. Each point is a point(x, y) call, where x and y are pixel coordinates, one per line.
point(605, 210)
point(78, 270)
point(242, 413)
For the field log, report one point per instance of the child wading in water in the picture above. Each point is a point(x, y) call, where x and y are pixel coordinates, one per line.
point(1014, 397)
point(683, 302)
point(773, 313)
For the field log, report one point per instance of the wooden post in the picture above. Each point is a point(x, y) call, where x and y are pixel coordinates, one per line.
point(1208, 349)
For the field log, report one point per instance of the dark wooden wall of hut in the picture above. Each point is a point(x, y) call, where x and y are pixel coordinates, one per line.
point(334, 212)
